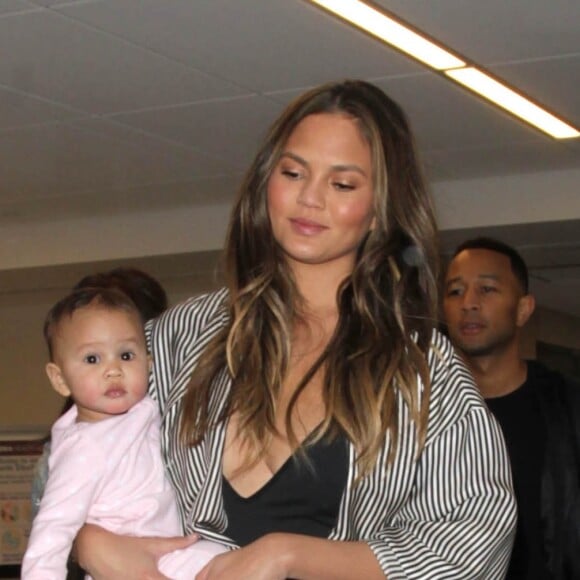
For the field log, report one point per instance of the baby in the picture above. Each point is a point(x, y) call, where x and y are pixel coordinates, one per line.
point(105, 462)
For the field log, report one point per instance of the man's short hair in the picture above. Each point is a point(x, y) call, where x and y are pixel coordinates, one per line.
point(518, 266)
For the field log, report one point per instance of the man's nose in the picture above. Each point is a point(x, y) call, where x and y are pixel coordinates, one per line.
point(470, 300)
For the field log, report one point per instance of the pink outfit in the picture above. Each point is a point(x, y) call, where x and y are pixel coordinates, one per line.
point(111, 474)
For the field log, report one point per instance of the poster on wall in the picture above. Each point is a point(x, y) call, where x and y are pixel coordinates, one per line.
point(18, 457)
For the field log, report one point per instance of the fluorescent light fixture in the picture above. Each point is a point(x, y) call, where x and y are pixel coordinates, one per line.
point(392, 32)
point(516, 104)
point(397, 34)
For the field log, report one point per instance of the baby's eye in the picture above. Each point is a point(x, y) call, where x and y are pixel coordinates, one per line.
point(127, 355)
point(91, 359)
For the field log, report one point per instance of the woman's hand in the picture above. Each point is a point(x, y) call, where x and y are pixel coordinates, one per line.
point(107, 556)
point(264, 559)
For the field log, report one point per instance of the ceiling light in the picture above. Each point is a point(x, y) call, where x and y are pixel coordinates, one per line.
point(392, 32)
point(399, 35)
point(507, 99)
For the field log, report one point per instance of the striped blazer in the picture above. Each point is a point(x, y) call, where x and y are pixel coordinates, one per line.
point(448, 514)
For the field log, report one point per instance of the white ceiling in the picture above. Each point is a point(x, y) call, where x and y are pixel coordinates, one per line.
point(117, 108)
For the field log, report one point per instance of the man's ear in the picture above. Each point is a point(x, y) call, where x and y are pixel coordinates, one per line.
point(526, 307)
point(57, 379)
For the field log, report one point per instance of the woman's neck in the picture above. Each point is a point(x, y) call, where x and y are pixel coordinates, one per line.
point(318, 286)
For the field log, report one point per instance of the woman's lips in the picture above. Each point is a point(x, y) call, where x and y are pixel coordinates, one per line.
point(306, 227)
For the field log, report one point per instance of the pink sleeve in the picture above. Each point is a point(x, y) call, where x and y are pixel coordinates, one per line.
point(75, 467)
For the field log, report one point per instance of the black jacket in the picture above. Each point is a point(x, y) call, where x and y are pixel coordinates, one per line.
point(559, 400)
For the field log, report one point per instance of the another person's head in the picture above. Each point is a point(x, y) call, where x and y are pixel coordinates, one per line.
point(486, 298)
point(98, 355)
point(145, 291)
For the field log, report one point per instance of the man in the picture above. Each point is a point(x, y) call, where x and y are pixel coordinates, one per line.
point(486, 304)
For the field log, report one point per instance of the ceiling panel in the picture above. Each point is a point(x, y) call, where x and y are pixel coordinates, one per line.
point(230, 130)
point(15, 6)
point(554, 82)
point(101, 74)
point(19, 109)
point(443, 116)
point(496, 30)
point(503, 159)
point(160, 196)
point(259, 44)
point(67, 158)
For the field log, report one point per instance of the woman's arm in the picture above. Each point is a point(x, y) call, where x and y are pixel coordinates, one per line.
point(108, 556)
point(460, 518)
point(280, 556)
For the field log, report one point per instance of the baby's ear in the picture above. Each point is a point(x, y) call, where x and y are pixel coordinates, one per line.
point(57, 379)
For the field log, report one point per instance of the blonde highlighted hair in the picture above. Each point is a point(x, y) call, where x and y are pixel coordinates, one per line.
point(387, 306)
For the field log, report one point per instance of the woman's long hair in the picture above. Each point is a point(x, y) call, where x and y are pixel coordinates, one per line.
point(387, 306)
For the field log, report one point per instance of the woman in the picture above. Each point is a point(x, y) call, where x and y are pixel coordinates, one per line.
point(311, 415)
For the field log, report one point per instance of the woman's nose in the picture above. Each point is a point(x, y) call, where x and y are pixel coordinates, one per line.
point(311, 194)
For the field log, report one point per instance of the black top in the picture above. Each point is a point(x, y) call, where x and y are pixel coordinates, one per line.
point(520, 418)
point(302, 497)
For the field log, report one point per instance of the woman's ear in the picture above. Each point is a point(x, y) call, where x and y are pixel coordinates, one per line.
point(57, 379)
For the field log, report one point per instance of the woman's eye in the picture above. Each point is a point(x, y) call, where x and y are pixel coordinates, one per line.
point(91, 359)
point(290, 173)
point(127, 356)
point(343, 186)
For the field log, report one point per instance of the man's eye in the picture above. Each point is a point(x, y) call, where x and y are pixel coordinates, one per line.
point(488, 289)
point(91, 359)
point(127, 356)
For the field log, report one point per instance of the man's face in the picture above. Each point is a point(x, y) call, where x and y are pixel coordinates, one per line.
point(484, 303)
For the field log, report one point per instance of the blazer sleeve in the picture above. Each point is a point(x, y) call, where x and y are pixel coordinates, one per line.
point(459, 519)
point(176, 340)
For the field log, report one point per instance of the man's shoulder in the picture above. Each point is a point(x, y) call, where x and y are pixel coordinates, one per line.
point(544, 377)
point(558, 394)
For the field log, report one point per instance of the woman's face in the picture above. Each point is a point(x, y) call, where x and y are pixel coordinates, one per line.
point(320, 194)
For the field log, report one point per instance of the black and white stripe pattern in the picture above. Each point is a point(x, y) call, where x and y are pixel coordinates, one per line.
point(448, 514)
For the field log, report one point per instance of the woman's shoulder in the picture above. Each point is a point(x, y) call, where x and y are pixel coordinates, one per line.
point(201, 307)
point(192, 315)
point(454, 394)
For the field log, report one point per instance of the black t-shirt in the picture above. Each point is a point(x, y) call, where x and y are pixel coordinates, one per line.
point(303, 497)
point(521, 421)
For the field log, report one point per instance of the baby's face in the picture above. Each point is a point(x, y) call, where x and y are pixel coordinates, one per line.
point(101, 358)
